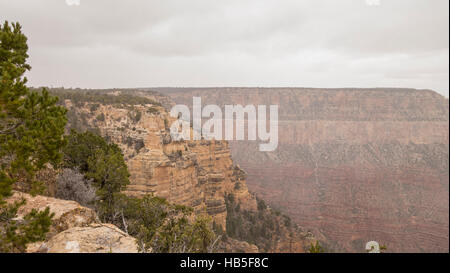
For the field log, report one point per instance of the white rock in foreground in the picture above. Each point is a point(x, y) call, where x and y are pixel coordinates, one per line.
point(68, 214)
point(96, 238)
point(75, 229)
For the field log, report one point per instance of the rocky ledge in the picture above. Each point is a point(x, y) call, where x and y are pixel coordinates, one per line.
point(75, 229)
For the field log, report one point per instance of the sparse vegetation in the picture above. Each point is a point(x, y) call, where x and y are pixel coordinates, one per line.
point(94, 107)
point(79, 97)
point(100, 161)
point(152, 110)
point(316, 248)
point(137, 117)
point(101, 117)
point(72, 185)
point(162, 227)
point(157, 225)
point(261, 204)
point(261, 228)
point(139, 145)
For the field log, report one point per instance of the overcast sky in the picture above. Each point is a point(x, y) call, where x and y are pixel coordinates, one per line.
point(311, 43)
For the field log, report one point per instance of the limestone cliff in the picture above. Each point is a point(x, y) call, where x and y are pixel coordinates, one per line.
point(192, 173)
point(198, 174)
point(354, 165)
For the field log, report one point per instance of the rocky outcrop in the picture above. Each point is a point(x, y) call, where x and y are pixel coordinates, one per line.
point(67, 214)
point(193, 173)
point(354, 165)
point(95, 238)
point(75, 229)
point(231, 245)
point(198, 174)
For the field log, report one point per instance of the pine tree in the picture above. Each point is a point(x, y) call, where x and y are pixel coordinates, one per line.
point(31, 136)
point(101, 162)
point(80, 147)
point(15, 233)
point(110, 176)
point(31, 125)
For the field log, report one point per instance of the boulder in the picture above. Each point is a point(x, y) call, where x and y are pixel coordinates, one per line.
point(231, 245)
point(95, 238)
point(67, 214)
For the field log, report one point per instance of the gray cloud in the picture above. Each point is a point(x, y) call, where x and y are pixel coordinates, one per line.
point(320, 43)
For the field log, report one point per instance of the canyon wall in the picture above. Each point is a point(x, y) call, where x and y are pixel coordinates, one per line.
point(354, 165)
point(199, 174)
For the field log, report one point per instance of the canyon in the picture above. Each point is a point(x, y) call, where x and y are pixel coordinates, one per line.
point(199, 174)
point(352, 165)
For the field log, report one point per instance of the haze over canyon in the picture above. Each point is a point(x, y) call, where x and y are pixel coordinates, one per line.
point(353, 165)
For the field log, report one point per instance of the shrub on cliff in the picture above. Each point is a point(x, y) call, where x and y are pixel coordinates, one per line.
point(72, 185)
point(100, 117)
point(316, 248)
point(262, 227)
point(109, 175)
point(80, 147)
point(163, 227)
point(31, 129)
point(101, 162)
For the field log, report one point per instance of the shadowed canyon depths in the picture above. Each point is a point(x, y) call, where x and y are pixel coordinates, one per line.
point(352, 165)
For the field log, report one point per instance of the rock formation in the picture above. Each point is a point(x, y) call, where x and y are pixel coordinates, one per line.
point(354, 165)
point(235, 246)
point(198, 174)
point(95, 238)
point(75, 229)
point(67, 214)
point(191, 173)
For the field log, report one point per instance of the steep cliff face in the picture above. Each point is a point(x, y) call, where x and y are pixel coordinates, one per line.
point(192, 173)
point(198, 174)
point(354, 165)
